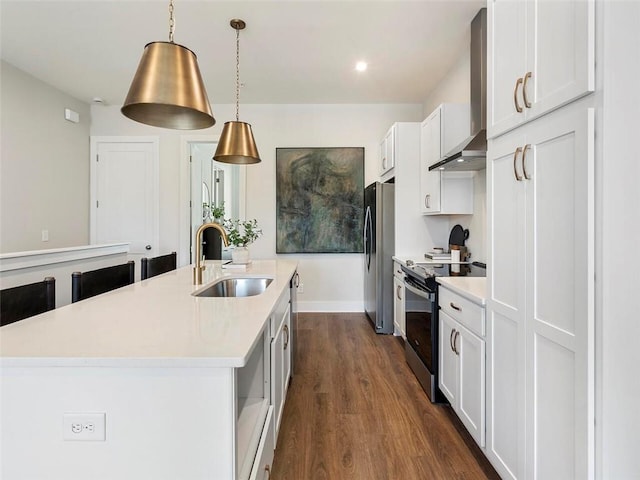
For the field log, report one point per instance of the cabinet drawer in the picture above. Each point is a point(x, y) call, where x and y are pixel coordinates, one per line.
point(469, 314)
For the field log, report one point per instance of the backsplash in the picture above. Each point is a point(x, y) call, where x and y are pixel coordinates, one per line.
point(476, 223)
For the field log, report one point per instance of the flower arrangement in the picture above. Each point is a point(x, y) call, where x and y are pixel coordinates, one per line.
point(242, 233)
point(216, 212)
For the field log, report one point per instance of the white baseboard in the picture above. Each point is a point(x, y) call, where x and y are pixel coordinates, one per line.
point(330, 306)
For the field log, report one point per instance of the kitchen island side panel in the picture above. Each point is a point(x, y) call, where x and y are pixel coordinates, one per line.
point(161, 423)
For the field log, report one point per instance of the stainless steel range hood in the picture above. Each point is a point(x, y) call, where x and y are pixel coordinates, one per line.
point(471, 154)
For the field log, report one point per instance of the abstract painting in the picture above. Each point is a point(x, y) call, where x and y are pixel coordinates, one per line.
point(319, 200)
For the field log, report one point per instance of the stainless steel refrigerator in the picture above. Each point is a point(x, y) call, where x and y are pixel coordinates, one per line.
point(379, 243)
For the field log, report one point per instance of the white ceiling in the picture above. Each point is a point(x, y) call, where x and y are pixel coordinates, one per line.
point(294, 51)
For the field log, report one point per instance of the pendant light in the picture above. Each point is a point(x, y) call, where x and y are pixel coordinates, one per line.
point(167, 89)
point(236, 143)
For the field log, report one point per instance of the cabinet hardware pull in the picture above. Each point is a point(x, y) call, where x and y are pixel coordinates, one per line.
point(398, 288)
point(527, 103)
point(515, 96)
point(455, 307)
point(427, 201)
point(267, 469)
point(297, 281)
point(455, 339)
point(286, 342)
point(515, 168)
point(524, 165)
point(453, 330)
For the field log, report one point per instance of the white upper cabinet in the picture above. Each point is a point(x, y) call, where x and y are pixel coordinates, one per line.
point(388, 155)
point(444, 192)
point(540, 57)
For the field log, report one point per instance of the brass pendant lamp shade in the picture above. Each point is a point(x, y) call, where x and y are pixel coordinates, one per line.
point(167, 89)
point(236, 144)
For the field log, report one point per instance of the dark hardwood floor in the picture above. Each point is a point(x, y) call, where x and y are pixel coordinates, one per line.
point(355, 411)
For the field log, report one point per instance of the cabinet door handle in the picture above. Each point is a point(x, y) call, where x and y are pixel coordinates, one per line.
point(267, 469)
point(427, 201)
point(286, 342)
point(524, 165)
point(297, 280)
point(455, 307)
point(515, 168)
point(455, 339)
point(515, 95)
point(453, 330)
point(527, 103)
point(398, 288)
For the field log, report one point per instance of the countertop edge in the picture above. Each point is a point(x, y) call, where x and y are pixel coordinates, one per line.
point(456, 285)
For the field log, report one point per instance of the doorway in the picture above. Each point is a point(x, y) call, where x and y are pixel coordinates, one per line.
point(124, 178)
point(207, 183)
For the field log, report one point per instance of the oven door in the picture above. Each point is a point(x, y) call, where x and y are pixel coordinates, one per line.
point(421, 325)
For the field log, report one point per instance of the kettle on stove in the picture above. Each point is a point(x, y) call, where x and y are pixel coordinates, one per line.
point(457, 248)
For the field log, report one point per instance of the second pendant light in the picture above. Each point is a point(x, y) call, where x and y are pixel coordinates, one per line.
point(236, 143)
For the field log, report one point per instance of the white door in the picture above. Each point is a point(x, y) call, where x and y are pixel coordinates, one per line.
point(506, 305)
point(507, 64)
point(448, 359)
point(471, 374)
point(124, 193)
point(559, 303)
point(560, 53)
point(430, 136)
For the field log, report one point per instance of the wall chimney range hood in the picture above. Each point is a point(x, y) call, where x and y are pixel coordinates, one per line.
point(471, 154)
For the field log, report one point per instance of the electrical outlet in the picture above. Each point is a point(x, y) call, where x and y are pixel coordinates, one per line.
point(300, 287)
point(45, 235)
point(83, 427)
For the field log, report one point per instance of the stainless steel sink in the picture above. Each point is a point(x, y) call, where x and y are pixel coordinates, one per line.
point(235, 287)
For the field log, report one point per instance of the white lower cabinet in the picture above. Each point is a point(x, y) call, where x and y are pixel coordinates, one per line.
point(399, 320)
point(463, 367)
point(280, 364)
point(270, 371)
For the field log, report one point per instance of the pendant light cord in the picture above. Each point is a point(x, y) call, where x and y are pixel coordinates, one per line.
point(237, 74)
point(172, 22)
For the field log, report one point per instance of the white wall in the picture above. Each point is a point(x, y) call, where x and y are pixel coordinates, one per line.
point(44, 165)
point(332, 282)
point(454, 87)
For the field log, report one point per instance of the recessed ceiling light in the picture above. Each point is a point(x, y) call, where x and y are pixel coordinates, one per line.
point(460, 160)
point(361, 66)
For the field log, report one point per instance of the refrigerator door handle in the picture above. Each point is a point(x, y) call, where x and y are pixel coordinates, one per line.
point(367, 238)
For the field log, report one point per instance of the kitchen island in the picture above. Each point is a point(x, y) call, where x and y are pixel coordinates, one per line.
point(181, 386)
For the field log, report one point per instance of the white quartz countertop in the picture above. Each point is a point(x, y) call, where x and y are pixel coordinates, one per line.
point(472, 288)
point(156, 322)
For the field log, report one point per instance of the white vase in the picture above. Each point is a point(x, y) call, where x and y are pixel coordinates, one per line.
point(240, 255)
